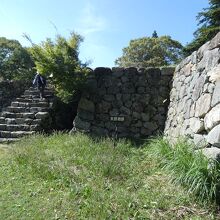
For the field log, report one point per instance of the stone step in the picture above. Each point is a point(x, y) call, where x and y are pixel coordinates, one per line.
point(31, 100)
point(35, 92)
point(11, 127)
point(25, 110)
point(36, 96)
point(2, 120)
point(15, 134)
point(20, 121)
point(8, 140)
point(18, 115)
point(30, 104)
point(16, 109)
point(23, 100)
point(12, 121)
point(25, 114)
point(20, 127)
point(39, 109)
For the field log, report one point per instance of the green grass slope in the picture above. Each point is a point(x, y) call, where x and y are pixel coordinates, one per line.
point(76, 177)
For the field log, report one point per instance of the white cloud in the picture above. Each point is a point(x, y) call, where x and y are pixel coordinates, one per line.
point(90, 25)
point(91, 21)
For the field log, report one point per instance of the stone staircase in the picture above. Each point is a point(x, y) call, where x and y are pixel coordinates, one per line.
point(25, 115)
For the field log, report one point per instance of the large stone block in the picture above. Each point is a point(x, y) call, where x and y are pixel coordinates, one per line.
point(187, 70)
point(86, 105)
point(125, 110)
point(192, 110)
point(92, 84)
point(212, 118)
point(128, 88)
point(103, 117)
point(128, 104)
point(99, 131)
point(214, 74)
point(199, 83)
point(103, 107)
point(212, 153)
point(117, 71)
point(124, 79)
point(200, 141)
point(42, 115)
point(183, 63)
point(113, 89)
point(213, 136)
point(215, 42)
point(101, 71)
point(80, 124)
point(114, 112)
point(216, 96)
point(202, 49)
point(145, 117)
point(109, 98)
point(151, 126)
point(196, 125)
point(203, 105)
point(85, 115)
point(138, 124)
point(209, 60)
point(194, 57)
point(187, 108)
point(126, 97)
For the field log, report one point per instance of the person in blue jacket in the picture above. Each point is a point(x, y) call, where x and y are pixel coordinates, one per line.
point(40, 82)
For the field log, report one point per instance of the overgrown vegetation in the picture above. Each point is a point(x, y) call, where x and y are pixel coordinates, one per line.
point(76, 177)
point(59, 60)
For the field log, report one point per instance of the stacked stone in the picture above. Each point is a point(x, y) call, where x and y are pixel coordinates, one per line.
point(125, 102)
point(26, 115)
point(194, 109)
point(9, 90)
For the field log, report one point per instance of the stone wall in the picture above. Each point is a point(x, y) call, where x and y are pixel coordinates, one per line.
point(194, 109)
point(125, 102)
point(10, 90)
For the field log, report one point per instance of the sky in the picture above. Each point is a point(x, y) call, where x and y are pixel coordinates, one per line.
point(106, 25)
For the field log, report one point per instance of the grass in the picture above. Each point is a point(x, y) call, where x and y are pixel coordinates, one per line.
point(76, 177)
point(200, 175)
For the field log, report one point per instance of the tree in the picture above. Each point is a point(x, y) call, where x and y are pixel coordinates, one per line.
point(150, 52)
point(15, 61)
point(60, 60)
point(209, 22)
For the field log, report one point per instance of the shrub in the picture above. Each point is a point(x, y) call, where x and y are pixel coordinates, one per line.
point(59, 60)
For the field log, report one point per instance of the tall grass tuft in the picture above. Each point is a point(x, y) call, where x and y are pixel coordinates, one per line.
point(200, 175)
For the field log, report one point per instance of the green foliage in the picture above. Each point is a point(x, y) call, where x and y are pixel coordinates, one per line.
point(76, 177)
point(151, 52)
point(60, 60)
point(15, 61)
point(189, 168)
point(209, 26)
